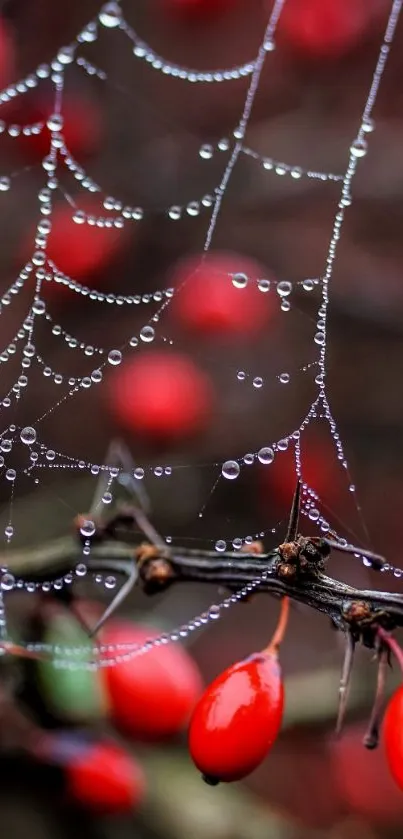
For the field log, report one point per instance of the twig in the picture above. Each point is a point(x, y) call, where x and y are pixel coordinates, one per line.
point(309, 585)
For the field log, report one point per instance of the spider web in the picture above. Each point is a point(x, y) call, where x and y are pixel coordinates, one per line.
point(26, 454)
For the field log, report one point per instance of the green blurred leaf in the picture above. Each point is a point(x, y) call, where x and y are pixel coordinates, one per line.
point(73, 695)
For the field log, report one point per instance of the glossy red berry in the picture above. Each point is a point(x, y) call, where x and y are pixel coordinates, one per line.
point(208, 302)
point(152, 695)
point(161, 396)
point(237, 719)
point(393, 735)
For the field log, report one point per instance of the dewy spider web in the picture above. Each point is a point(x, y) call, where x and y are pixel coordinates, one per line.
point(43, 270)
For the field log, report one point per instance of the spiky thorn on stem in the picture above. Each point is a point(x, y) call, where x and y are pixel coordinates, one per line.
point(345, 681)
point(371, 737)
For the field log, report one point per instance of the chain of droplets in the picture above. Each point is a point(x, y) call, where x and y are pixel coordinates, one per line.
point(109, 655)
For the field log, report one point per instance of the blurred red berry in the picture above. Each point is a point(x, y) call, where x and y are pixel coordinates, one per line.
point(161, 395)
point(100, 776)
point(82, 125)
point(363, 778)
point(327, 27)
point(7, 55)
point(210, 304)
point(152, 695)
point(393, 735)
point(78, 250)
point(105, 779)
point(197, 9)
point(320, 470)
point(237, 719)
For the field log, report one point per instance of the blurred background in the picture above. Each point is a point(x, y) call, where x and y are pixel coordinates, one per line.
point(229, 370)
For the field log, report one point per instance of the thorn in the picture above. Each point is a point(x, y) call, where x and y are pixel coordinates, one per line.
point(371, 737)
point(292, 528)
point(119, 598)
point(345, 682)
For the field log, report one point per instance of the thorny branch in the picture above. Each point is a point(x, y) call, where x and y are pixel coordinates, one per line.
point(295, 568)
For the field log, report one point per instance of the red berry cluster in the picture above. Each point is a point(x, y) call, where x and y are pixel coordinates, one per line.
point(236, 721)
point(148, 698)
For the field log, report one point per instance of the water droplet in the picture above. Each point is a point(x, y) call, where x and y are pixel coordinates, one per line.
point(87, 528)
point(308, 285)
point(284, 378)
point(110, 582)
point(263, 285)
point(320, 338)
point(249, 458)
point(284, 288)
point(147, 334)
point(11, 474)
point(206, 151)
point(237, 544)
point(214, 612)
point(81, 569)
point(139, 473)
point(7, 582)
point(114, 357)
point(5, 184)
point(107, 497)
point(257, 382)
point(239, 280)
point(265, 455)
point(28, 435)
point(55, 122)
point(368, 125)
point(359, 148)
point(110, 15)
point(230, 469)
point(39, 306)
point(241, 375)
point(220, 545)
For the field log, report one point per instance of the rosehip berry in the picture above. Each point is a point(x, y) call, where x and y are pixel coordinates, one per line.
point(190, 9)
point(209, 302)
point(326, 27)
point(100, 776)
point(152, 695)
point(237, 720)
point(162, 396)
point(7, 55)
point(78, 250)
point(393, 735)
point(82, 127)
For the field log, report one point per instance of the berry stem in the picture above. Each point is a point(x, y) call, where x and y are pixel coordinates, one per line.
point(279, 632)
point(393, 645)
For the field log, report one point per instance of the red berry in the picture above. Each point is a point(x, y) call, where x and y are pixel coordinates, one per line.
point(393, 735)
point(363, 779)
point(106, 779)
point(210, 304)
point(326, 27)
point(152, 695)
point(237, 719)
point(161, 395)
point(82, 127)
point(199, 9)
point(7, 56)
point(78, 250)
point(100, 776)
